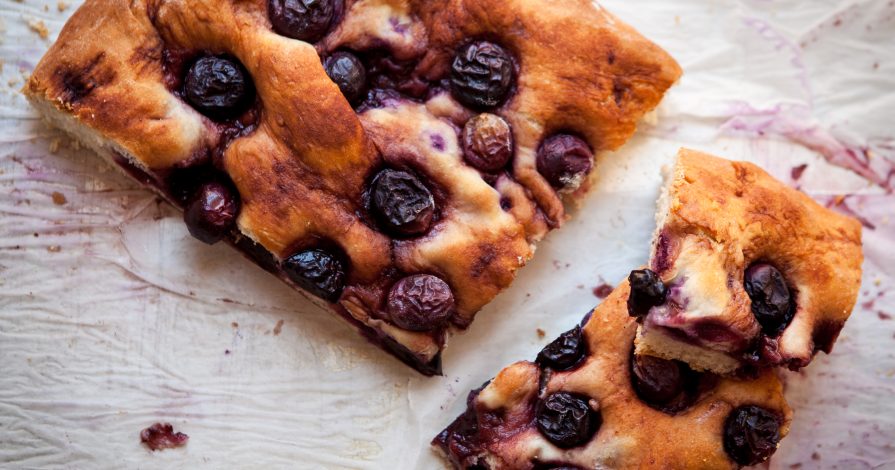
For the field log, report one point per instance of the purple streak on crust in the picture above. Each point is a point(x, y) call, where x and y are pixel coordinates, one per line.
point(714, 332)
point(662, 258)
point(161, 436)
point(706, 331)
point(586, 318)
point(135, 172)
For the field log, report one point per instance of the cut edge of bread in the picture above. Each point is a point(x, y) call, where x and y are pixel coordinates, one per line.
point(653, 342)
point(663, 203)
point(86, 135)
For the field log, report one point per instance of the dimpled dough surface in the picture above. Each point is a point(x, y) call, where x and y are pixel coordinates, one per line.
point(113, 318)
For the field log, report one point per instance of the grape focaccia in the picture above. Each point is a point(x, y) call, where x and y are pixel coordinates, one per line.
point(588, 402)
point(745, 272)
point(396, 160)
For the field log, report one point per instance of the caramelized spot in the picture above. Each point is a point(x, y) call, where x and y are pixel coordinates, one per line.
point(78, 83)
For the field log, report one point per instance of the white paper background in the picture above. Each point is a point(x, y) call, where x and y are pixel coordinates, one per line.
point(112, 318)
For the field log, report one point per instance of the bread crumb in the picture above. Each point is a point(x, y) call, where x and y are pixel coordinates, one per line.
point(541, 333)
point(54, 248)
point(54, 145)
point(40, 28)
point(59, 198)
point(62, 6)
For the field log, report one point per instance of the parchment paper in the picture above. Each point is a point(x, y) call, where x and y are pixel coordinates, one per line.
point(113, 318)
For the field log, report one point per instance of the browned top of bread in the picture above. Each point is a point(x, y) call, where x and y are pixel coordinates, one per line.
point(632, 434)
point(722, 217)
point(302, 158)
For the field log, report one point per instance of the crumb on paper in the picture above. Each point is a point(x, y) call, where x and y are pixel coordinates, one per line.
point(838, 199)
point(54, 248)
point(59, 198)
point(234, 324)
point(161, 436)
point(62, 6)
point(54, 145)
point(278, 328)
point(541, 333)
point(602, 291)
point(39, 27)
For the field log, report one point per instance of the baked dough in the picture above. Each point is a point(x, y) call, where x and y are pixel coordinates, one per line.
point(499, 429)
point(301, 158)
point(716, 218)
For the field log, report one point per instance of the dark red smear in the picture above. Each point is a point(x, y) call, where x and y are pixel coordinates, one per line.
point(603, 290)
point(868, 305)
point(161, 436)
point(884, 316)
point(797, 171)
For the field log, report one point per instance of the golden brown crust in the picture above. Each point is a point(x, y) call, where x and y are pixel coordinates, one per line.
point(723, 216)
point(302, 169)
point(633, 435)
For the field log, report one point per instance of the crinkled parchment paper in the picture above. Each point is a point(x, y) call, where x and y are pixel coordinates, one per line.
point(113, 318)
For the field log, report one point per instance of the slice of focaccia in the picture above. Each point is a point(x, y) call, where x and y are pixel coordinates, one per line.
point(588, 402)
point(745, 271)
point(396, 160)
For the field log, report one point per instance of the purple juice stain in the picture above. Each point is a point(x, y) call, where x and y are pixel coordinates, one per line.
point(602, 291)
point(397, 26)
point(437, 142)
point(662, 257)
point(874, 161)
